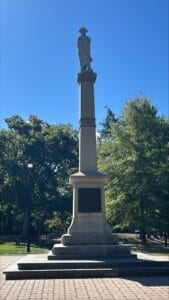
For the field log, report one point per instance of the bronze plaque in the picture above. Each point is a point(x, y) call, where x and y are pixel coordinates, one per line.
point(89, 200)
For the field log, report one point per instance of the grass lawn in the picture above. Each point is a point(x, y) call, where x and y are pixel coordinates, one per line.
point(153, 246)
point(12, 248)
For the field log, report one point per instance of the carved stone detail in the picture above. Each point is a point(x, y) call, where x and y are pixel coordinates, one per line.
point(87, 122)
point(86, 76)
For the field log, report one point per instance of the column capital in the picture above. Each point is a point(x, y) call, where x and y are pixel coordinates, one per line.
point(86, 76)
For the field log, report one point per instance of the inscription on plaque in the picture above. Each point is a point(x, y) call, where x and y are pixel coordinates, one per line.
point(89, 200)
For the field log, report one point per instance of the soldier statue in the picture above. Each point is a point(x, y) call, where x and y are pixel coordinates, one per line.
point(83, 44)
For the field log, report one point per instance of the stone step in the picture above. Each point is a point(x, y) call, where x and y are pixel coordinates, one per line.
point(85, 273)
point(60, 251)
point(90, 256)
point(91, 264)
point(32, 267)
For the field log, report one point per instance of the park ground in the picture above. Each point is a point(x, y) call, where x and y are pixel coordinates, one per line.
point(154, 245)
point(132, 288)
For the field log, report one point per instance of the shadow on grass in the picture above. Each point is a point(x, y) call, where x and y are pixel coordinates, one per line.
point(151, 249)
point(153, 245)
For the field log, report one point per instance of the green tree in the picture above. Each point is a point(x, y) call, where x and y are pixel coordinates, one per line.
point(106, 131)
point(8, 170)
point(134, 160)
point(52, 149)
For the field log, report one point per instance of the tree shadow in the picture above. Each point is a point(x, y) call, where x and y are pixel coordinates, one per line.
point(150, 280)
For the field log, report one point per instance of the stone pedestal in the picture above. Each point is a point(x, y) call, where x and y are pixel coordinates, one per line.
point(89, 225)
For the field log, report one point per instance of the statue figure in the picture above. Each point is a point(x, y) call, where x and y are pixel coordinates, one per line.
point(83, 44)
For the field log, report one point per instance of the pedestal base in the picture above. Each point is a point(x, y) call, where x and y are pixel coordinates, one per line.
point(89, 224)
point(89, 234)
point(91, 239)
point(88, 205)
point(61, 251)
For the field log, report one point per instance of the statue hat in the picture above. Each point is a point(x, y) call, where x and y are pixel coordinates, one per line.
point(83, 30)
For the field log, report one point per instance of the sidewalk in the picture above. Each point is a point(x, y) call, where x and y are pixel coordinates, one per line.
point(134, 288)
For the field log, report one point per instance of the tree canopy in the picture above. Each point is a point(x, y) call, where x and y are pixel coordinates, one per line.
point(52, 151)
point(132, 150)
point(136, 160)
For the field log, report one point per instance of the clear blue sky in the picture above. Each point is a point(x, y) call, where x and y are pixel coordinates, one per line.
point(39, 61)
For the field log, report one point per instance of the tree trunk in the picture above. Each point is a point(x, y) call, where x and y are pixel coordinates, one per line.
point(165, 239)
point(26, 223)
point(143, 236)
point(142, 221)
point(10, 225)
point(2, 227)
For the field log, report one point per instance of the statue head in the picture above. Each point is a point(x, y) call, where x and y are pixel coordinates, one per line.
point(83, 30)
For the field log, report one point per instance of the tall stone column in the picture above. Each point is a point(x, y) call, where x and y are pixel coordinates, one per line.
point(87, 132)
point(89, 225)
point(89, 234)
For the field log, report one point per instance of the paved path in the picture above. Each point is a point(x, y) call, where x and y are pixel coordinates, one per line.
point(150, 288)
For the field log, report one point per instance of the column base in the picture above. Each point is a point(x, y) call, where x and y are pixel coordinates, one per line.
point(90, 239)
point(61, 251)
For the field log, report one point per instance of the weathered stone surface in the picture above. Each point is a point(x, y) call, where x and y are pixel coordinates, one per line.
point(89, 239)
point(88, 251)
point(89, 226)
point(83, 44)
point(118, 265)
point(86, 76)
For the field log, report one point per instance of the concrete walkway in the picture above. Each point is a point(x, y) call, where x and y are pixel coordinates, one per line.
point(154, 288)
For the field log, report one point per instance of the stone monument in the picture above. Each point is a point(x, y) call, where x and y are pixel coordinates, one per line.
point(89, 233)
point(88, 249)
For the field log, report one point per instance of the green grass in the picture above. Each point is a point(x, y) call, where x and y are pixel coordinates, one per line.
point(153, 246)
point(12, 248)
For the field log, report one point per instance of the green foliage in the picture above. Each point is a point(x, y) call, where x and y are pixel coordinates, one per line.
point(106, 132)
point(52, 149)
point(137, 164)
point(59, 223)
point(132, 150)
